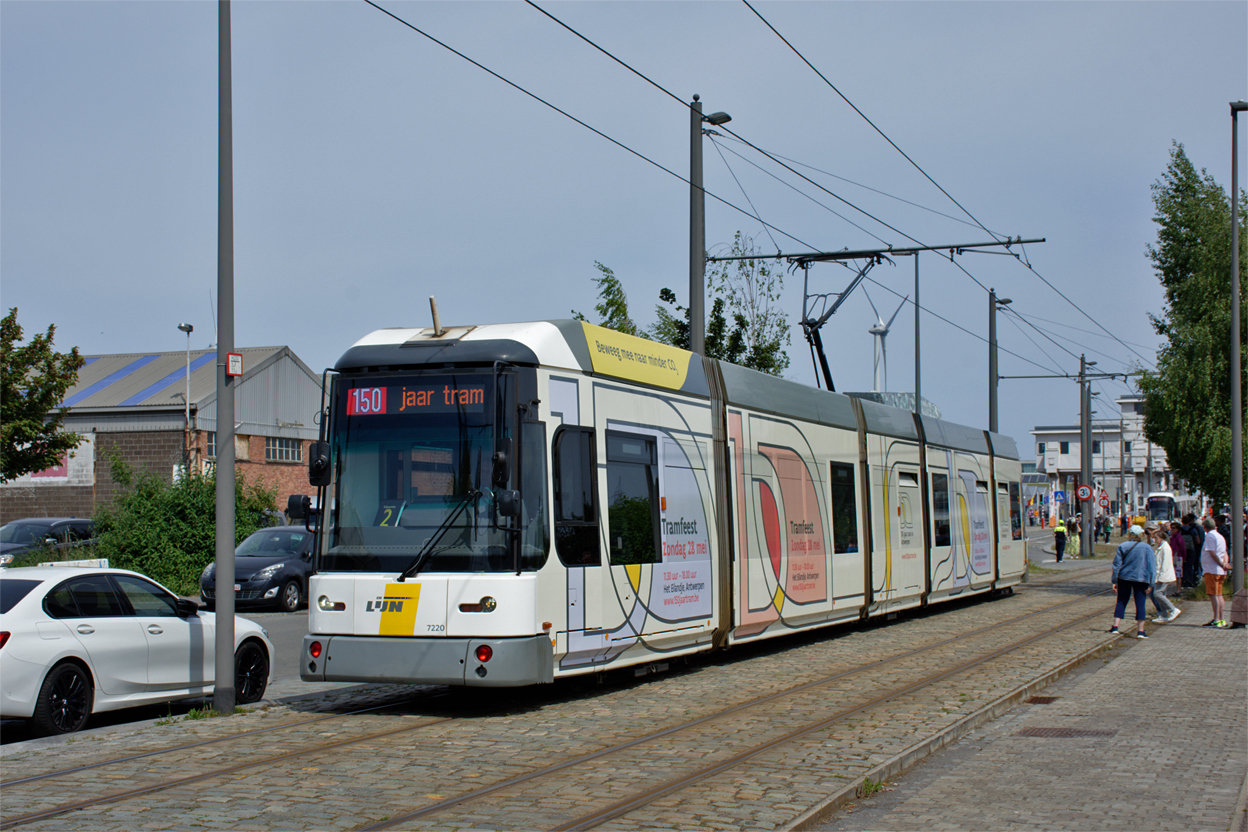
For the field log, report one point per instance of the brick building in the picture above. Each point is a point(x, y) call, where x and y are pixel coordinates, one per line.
point(135, 406)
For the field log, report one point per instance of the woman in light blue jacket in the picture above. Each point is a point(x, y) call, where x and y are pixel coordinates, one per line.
point(1134, 571)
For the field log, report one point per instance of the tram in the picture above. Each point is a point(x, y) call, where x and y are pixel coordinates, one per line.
point(505, 505)
point(1164, 505)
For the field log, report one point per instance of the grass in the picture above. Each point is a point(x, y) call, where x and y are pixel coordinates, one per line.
point(870, 787)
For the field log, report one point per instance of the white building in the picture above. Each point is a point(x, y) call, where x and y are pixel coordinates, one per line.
point(1126, 467)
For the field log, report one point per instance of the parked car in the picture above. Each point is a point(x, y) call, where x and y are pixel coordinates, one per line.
point(271, 568)
point(80, 640)
point(18, 536)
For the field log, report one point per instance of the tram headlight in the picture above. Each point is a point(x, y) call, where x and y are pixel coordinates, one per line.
point(330, 606)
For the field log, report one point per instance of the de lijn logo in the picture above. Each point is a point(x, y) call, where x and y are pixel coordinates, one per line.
point(386, 603)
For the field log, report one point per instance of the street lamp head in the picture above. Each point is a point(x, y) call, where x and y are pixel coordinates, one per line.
point(1003, 301)
point(717, 118)
point(187, 328)
point(1239, 106)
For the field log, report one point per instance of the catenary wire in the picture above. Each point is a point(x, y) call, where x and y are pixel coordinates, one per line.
point(734, 135)
point(571, 117)
point(741, 187)
point(867, 120)
point(798, 190)
point(1026, 264)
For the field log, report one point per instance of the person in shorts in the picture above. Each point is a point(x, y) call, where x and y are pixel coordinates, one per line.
point(1214, 560)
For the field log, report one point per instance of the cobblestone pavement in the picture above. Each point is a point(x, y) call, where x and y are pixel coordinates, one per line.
point(464, 741)
point(1172, 751)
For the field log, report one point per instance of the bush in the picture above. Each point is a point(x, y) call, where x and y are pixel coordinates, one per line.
point(168, 530)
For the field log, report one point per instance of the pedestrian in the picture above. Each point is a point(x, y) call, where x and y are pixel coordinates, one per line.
point(1178, 548)
point(1073, 533)
point(1059, 539)
point(1158, 534)
point(1133, 572)
point(1193, 537)
point(1214, 560)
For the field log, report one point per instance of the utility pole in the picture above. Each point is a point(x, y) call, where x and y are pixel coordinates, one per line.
point(1085, 456)
point(223, 693)
point(697, 226)
point(1237, 401)
point(993, 303)
point(918, 394)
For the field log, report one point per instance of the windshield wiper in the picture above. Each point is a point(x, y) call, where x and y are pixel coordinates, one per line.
point(419, 561)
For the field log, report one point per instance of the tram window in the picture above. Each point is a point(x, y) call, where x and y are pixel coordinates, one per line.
point(1016, 516)
point(576, 499)
point(844, 509)
point(633, 510)
point(940, 509)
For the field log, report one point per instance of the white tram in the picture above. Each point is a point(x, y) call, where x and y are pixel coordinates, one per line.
point(508, 504)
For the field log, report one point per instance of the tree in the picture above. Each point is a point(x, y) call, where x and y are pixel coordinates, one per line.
point(751, 290)
point(1187, 399)
point(612, 306)
point(33, 381)
point(169, 530)
point(743, 290)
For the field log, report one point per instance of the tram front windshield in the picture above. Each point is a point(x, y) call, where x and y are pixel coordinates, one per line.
point(1160, 508)
point(413, 462)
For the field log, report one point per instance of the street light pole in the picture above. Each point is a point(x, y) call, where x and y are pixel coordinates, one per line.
point(1085, 455)
point(1237, 402)
point(186, 439)
point(697, 226)
point(993, 303)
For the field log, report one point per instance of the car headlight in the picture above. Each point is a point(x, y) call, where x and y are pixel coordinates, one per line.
point(268, 572)
point(209, 571)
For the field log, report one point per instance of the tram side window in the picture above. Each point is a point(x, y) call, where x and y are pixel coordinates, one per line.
point(633, 489)
point(940, 509)
point(576, 499)
point(844, 509)
point(1016, 514)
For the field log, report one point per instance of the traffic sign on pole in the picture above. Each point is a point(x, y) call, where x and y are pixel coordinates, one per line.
point(1084, 492)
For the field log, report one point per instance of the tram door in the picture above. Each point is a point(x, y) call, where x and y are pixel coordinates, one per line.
point(897, 554)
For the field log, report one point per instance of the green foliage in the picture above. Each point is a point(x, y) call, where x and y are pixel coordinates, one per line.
point(751, 289)
point(1187, 400)
point(631, 520)
point(612, 306)
point(33, 381)
point(168, 530)
point(743, 326)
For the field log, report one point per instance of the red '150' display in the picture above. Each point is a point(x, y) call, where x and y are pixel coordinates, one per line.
point(439, 398)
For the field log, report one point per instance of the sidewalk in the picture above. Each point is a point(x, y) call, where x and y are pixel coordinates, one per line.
point(1156, 738)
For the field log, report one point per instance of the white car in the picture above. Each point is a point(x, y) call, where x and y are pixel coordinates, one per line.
point(76, 640)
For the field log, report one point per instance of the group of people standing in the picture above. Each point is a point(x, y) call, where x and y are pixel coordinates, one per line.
point(1145, 565)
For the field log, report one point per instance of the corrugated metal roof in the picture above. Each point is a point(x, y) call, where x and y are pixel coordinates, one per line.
point(153, 379)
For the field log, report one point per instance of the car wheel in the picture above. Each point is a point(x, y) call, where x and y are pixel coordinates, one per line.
point(290, 596)
point(251, 673)
point(64, 700)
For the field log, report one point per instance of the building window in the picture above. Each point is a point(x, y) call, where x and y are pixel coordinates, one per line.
point(277, 449)
point(1096, 446)
point(1126, 447)
point(212, 444)
point(1064, 447)
point(1040, 449)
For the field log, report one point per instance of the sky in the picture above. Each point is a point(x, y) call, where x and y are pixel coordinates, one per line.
point(374, 168)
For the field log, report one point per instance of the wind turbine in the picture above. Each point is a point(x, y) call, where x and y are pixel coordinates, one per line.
point(880, 331)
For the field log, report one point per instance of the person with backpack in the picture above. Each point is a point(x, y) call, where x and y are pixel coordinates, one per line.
point(1132, 574)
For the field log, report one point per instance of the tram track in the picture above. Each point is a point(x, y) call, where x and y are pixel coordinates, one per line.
point(340, 745)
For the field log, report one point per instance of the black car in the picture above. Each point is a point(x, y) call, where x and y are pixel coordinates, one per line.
point(271, 568)
point(60, 533)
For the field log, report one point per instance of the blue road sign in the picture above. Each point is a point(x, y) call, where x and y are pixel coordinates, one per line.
point(1059, 496)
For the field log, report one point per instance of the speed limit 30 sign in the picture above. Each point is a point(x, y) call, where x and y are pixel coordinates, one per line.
point(1084, 492)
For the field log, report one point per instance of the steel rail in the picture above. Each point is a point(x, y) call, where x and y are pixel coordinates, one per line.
point(436, 807)
point(648, 796)
point(187, 746)
point(442, 805)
